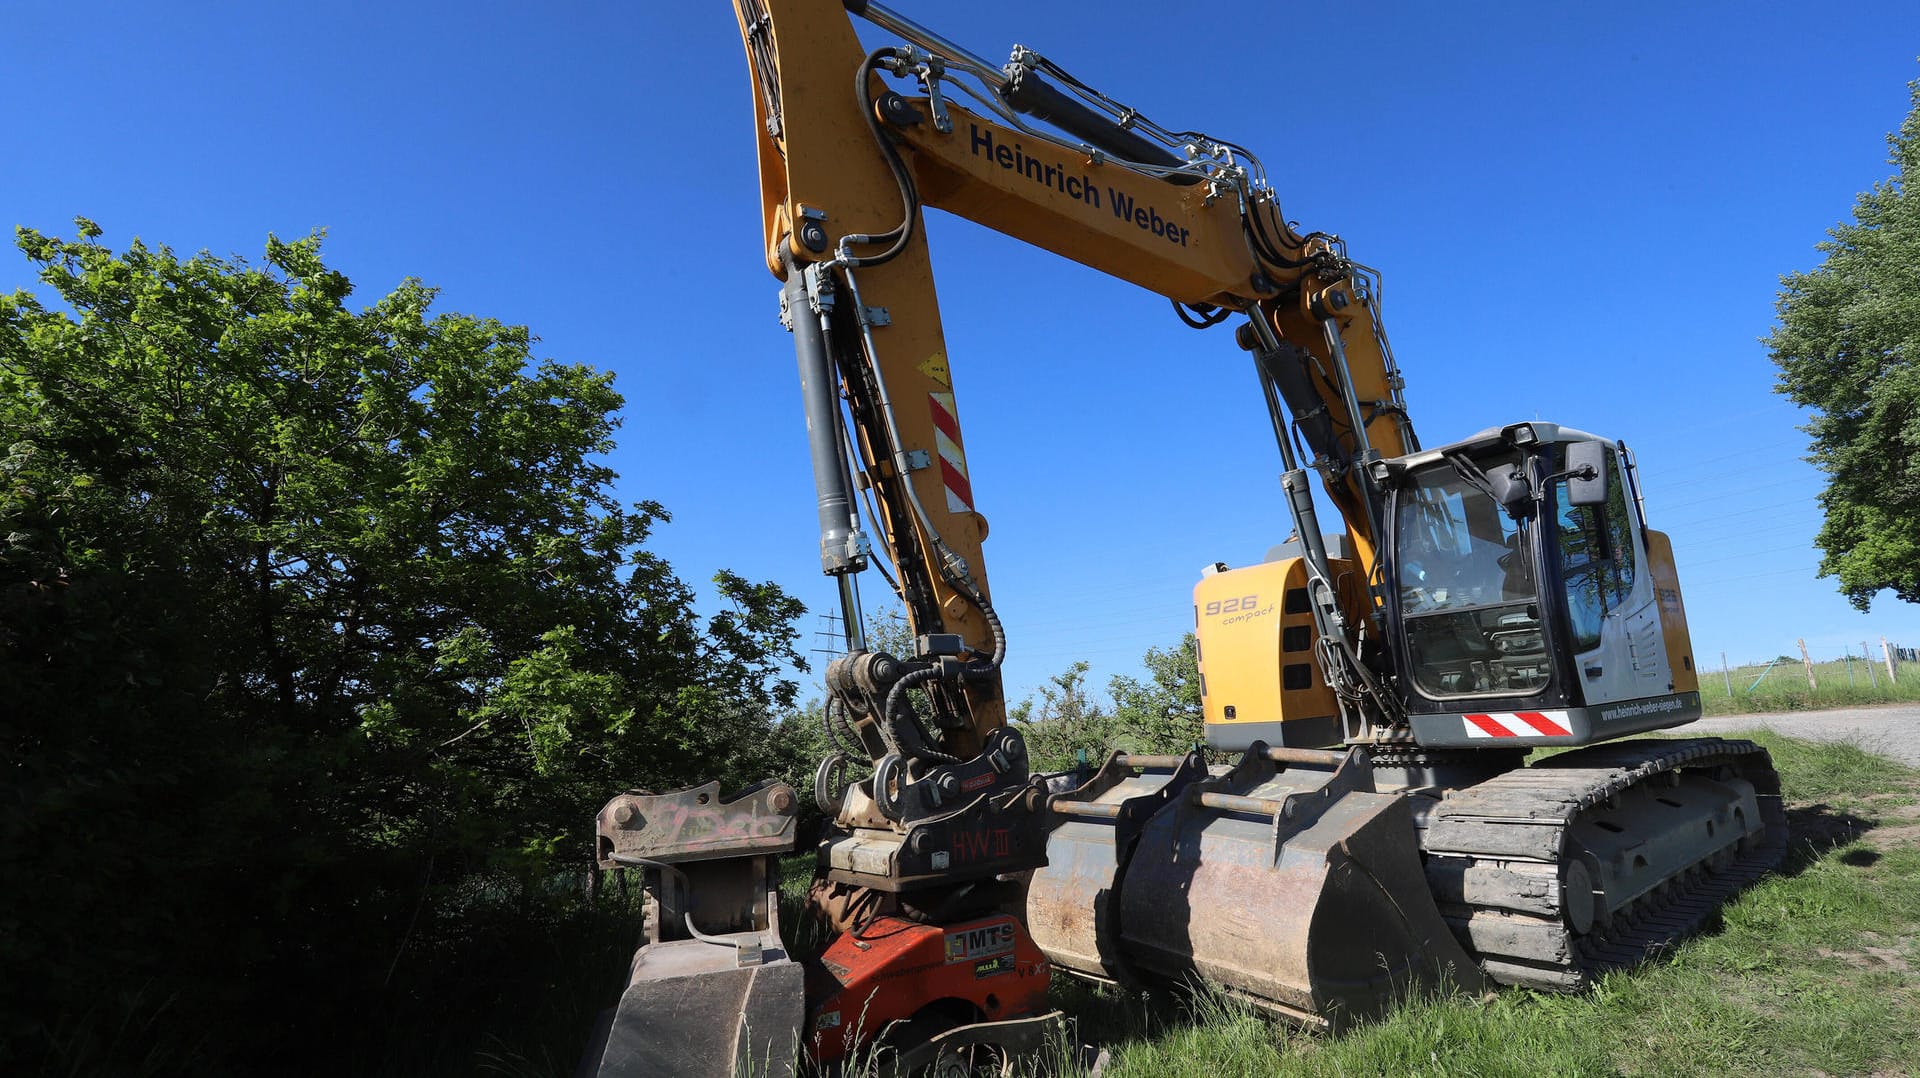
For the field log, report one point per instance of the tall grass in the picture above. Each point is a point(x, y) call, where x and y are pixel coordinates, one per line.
point(1822, 771)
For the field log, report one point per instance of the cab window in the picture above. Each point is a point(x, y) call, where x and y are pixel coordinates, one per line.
point(1598, 558)
point(1619, 528)
point(1582, 572)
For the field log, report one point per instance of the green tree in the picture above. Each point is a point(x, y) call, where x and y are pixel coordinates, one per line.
point(1161, 714)
point(1848, 346)
point(324, 637)
point(1064, 721)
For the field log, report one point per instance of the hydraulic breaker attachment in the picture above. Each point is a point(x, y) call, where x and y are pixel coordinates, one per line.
point(895, 995)
point(1291, 880)
point(712, 992)
point(1073, 901)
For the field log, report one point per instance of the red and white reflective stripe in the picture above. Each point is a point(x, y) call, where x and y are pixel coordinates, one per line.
point(953, 459)
point(1519, 724)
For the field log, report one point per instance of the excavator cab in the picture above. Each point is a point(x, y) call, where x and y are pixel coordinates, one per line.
point(1524, 600)
point(1530, 602)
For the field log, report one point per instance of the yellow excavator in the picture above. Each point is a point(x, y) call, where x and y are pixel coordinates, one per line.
point(1376, 831)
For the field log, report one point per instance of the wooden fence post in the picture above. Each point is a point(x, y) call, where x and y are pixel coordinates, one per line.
point(1888, 651)
point(1726, 673)
point(1812, 685)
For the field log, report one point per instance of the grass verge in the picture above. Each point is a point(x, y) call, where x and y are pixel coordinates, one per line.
point(1815, 970)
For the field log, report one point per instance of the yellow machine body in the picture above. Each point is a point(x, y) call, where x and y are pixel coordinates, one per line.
point(1260, 676)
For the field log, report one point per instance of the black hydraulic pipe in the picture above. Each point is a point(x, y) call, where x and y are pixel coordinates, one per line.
point(1028, 93)
point(819, 393)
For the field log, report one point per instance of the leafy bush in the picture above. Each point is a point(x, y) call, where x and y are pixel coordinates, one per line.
point(324, 637)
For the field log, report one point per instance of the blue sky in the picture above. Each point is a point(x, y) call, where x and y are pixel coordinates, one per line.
point(1581, 212)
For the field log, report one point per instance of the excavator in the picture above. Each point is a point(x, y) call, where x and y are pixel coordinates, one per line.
point(1363, 824)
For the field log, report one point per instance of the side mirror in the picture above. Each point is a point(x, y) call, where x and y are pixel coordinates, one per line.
point(1510, 488)
point(1587, 473)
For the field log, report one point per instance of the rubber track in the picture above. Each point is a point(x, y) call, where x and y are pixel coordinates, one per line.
point(1499, 830)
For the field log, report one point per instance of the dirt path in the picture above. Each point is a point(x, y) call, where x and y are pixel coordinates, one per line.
point(1892, 730)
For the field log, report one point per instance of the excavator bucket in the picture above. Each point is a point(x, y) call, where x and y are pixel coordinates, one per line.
point(712, 992)
point(1073, 902)
point(1286, 879)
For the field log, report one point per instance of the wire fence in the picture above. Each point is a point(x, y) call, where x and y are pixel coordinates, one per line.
point(1804, 677)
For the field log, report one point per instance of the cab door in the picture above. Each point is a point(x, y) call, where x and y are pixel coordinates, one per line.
point(1613, 624)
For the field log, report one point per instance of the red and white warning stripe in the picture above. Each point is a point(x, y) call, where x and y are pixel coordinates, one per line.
point(953, 459)
point(1519, 724)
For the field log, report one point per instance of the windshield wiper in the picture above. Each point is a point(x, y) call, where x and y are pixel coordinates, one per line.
point(1468, 471)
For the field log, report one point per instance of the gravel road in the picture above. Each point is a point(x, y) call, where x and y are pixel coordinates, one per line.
point(1892, 730)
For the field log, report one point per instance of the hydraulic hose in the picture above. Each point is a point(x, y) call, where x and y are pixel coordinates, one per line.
point(999, 633)
point(900, 235)
point(904, 726)
point(826, 725)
